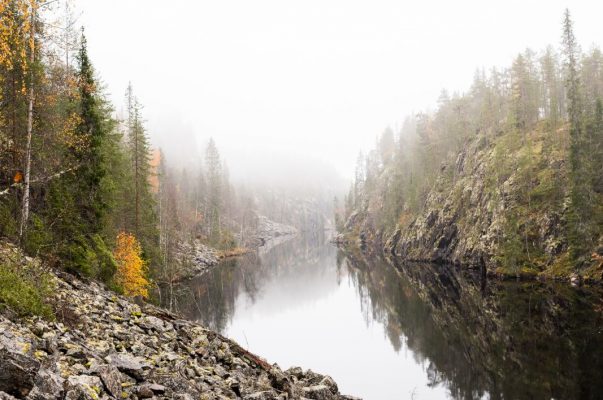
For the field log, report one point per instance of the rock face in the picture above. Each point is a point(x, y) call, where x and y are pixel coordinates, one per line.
point(475, 211)
point(109, 348)
point(269, 229)
point(464, 222)
point(195, 258)
point(268, 232)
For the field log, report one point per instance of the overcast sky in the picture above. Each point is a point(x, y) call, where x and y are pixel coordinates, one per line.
point(281, 79)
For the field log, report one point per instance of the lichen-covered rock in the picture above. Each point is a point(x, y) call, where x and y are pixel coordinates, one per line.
point(112, 348)
point(111, 379)
point(18, 367)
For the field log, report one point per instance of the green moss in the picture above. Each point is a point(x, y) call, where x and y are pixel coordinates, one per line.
point(25, 290)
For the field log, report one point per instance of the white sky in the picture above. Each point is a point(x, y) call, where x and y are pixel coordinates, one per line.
point(315, 78)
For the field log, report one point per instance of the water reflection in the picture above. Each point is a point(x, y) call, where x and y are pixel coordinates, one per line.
point(402, 331)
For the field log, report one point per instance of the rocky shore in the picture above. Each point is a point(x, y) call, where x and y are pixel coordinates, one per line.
point(103, 346)
point(267, 231)
point(195, 258)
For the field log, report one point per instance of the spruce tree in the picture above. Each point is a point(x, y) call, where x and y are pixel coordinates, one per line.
point(142, 218)
point(92, 168)
point(580, 223)
point(76, 203)
point(213, 169)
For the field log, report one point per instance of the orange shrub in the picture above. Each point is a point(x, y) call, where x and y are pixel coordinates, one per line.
point(130, 275)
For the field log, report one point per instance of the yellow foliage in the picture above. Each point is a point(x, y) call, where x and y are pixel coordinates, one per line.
point(131, 267)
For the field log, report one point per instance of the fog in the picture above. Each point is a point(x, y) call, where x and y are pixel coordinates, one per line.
point(309, 81)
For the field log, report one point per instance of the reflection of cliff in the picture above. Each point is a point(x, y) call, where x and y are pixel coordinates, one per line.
point(511, 340)
point(210, 298)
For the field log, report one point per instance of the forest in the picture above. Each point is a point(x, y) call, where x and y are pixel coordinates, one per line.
point(530, 138)
point(80, 184)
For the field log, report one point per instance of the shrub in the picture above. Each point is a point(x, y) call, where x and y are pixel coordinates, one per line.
point(131, 268)
point(25, 289)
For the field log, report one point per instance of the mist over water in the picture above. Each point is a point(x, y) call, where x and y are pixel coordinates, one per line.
point(385, 332)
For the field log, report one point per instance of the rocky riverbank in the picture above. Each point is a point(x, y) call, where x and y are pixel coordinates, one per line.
point(195, 258)
point(481, 210)
point(103, 346)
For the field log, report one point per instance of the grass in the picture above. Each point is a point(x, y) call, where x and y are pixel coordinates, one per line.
point(25, 289)
point(233, 252)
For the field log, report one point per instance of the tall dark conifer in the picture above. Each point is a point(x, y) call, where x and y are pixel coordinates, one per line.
point(580, 221)
point(90, 157)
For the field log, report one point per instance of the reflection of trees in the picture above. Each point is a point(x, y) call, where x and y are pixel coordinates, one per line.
point(511, 340)
point(210, 298)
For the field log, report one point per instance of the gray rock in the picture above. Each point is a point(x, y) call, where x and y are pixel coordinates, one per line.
point(278, 379)
point(145, 392)
point(318, 392)
point(111, 378)
point(83, 387)
point(156, 388)
point(48, 385)
point(296, 372)
point(263, 395)
point(183, 396)
point(330, 383)
point(125, 362)
point(149, 322)
point(17, 369)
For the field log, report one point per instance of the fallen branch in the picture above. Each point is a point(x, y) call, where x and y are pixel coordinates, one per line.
point(44, 179)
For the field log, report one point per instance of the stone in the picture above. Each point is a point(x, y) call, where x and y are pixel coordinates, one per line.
point(278, 379)
point(145, 392)
point(111, 378)
point(183, 396)
point(296, 372)
point(318, 392)
point(263, 395)
point(125, 362)
point(330, 383)
point(17, 368)
point(156, 388)
point(149, 323)
point(48, 385)
point(83, 387)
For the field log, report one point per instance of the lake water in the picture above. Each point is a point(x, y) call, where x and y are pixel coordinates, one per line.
point(405, 331)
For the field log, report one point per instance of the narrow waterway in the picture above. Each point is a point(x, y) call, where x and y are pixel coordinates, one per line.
point(405, 331)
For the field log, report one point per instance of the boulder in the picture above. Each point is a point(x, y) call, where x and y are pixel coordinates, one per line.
point(48, 385)
point(318, 392)
point(111, 378)
point(83, 387)
point(17, 368)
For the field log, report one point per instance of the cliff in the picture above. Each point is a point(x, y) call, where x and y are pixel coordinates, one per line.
point(500, 202)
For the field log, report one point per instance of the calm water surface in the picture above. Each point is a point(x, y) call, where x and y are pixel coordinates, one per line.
point(421, 331)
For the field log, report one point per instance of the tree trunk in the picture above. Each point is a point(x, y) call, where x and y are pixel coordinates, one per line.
point(25, 207)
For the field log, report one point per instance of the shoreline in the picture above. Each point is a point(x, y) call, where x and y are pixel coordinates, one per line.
point(103, 345)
